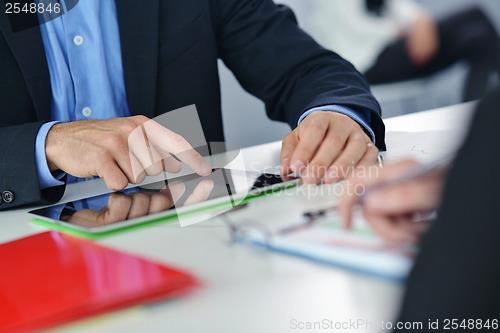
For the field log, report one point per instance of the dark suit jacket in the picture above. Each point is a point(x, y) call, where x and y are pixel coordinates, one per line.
point(170, 50)
point(457, 274)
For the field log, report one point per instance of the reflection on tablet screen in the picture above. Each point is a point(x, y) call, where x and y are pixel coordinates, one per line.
point(160, 197)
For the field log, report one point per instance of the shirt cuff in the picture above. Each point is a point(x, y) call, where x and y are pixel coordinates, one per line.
point(45, 177)
point(362, 117)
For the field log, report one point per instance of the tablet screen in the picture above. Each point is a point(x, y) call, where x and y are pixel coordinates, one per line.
point(165, 198)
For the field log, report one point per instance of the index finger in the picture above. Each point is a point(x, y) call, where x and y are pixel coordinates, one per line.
point(311, 138)
point(201, 192)
point(118, 208)
point(347, 202)
point(167, 140)
point(287, 148)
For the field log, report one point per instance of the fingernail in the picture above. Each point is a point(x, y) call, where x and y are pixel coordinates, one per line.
point(282, 165)
point(331, 176)
point(297, 166)
point(308, 180)
point(284, 161)
point(308, 177)
point(206, 168)
point(328, 180)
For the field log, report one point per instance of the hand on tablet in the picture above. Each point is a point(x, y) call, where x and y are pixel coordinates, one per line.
point(120, 150)
point(122, 207)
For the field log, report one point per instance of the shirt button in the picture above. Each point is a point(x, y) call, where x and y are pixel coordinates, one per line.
point(86, 111)
point(78, 40)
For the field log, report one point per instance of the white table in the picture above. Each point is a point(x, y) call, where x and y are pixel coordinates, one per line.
point(245, 290)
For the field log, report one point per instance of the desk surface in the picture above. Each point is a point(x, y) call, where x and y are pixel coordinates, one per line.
point(246, 290)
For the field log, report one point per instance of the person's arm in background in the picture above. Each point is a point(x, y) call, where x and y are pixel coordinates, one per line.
point(419, 28)
point(279, 63)
point(347, 28)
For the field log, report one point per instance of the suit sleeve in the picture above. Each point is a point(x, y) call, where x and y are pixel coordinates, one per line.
point(19, 184)
point(276, 61)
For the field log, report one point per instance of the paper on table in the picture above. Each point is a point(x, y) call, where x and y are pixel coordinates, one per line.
point(358, 250)
point(424, 146)
point(325, 241)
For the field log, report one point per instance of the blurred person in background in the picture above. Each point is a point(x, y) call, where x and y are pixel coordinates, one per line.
point(397, 40)
point(457, 271)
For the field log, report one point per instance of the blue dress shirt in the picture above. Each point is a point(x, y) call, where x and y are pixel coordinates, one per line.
point(86, 73)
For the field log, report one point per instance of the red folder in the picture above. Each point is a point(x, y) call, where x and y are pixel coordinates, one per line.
point(51, 278)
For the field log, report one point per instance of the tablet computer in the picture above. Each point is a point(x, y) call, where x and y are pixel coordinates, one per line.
point(187, 199)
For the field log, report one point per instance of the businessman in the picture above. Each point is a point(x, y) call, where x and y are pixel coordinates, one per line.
point(73, 89)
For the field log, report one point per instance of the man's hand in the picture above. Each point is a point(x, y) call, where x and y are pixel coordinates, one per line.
point(392, 211)
point(326, 145)
point(423, 40)
point(120, 150)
